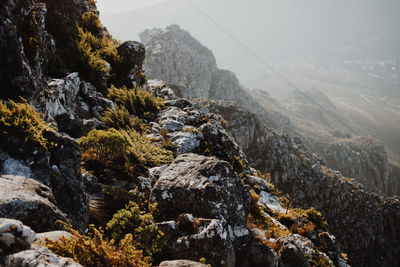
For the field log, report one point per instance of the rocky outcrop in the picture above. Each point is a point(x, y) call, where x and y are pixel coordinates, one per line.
point(22, 48)
point(350, 208)
point(29, 201)
point(181, 263)
point(58, 168)
point(206, 187)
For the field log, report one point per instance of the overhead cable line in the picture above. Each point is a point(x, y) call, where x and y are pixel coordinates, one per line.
point(242, 44)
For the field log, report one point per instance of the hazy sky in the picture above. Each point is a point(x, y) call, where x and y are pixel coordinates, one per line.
point(275, 30)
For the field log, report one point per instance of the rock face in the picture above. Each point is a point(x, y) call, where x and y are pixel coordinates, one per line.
point(350, 209)
point(133, 54)
point(22, 58)
point(29, 201)
point(58, 168)
point(204, 186)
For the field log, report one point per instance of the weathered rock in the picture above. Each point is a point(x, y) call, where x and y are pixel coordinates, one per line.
point(14, 236)
point(296, 250)
point(210, 241)
point(203, 186)
point(58, 168)
point(37, 256)
point(260, 254)
point(29, 201)
point(181, 263)
point(23, 61)
point(133, 54)
point(53, 236)
point(187, 142)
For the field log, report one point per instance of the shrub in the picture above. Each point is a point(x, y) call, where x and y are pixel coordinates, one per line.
point(111, 200)
point(140, 224)
point(21, 120)
point(93, 56)
point(119, 118)
point(137, 101)
point(125, 152)
point(95, 250)
point(317, 218)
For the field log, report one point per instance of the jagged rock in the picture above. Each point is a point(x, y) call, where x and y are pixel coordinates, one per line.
point(257, 181)
point(260, 254)
point(133, 54)
point(222, 144)
point(37, 256)
point(210, 240)
point(58, 168)
point(181, 263)
point(168, 55)
point(187, 142)
point(160, 89)
point(204, 186)
point(296, 250)
point(76, 127)
point(14, 236)
point(29, 201)
point(23, 59)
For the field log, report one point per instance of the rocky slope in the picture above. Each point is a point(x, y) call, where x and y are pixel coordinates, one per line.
point(165, 177)
point(174, 56)
point(296, 170)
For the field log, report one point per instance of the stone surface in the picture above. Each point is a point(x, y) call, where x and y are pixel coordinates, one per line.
point(14, 236)
point(37, 256)
point(204, 186)
point(133, 54)
point(29, 201)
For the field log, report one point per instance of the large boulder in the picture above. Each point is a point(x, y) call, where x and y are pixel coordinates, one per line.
point(204, 186)
point(29, 201)
point(58, 168)
point(181, 263)
point(133, 54)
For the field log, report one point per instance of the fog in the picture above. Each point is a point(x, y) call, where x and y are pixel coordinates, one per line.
point(280, 32)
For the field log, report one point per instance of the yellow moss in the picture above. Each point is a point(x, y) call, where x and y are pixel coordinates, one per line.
point(21, 120)
point(95, 250)
point(126, 152)
point(119, 118)
point(137, 101)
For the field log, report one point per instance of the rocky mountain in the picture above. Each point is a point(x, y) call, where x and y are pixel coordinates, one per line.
point(289, 160)
point(312, 116)
point(100, 166)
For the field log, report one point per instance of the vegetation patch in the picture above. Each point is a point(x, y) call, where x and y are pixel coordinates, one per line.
point(138, 102)
point(96, 250)
point(132, 220)
point(21, 120)
point(120, 119)
point(126, 153)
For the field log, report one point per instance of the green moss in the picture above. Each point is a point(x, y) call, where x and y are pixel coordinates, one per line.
point(126, 152)
point(139, 223)
point(138, 102)
point(119, 118)
point(21, 120)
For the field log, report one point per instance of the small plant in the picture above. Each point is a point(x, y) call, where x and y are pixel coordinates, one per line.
point(21, 120)
point(137, 101)
point(317, 218)
point(96, 250)
point(119, 118)
point(126, 153)
point(132, 220)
